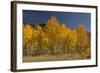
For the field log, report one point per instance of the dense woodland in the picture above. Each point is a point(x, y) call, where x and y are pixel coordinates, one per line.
point(55, 38)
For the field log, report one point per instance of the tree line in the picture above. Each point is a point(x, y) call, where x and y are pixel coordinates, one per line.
point(53, 38)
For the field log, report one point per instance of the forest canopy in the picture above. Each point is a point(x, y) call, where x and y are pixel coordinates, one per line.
point(54, 37)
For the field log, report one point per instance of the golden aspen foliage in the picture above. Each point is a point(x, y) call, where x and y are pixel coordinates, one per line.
point(51, 27)
point(62, 31)
point(52, 22)
point(28, 31)
point(83, 38)
point(72, 37)
point(27, 35)
point(55, 37)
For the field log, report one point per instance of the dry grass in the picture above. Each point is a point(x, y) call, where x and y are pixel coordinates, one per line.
point(56, 57)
